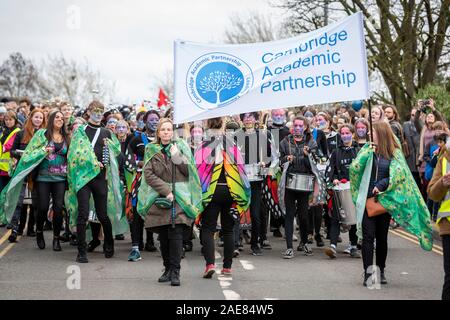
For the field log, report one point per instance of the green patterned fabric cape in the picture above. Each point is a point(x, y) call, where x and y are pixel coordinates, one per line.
point(83, 166)
point(31, 158)
point(402, 199)
point(187, 194)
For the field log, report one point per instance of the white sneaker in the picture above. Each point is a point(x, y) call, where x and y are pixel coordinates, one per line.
point(288, 254)
point(349, 248)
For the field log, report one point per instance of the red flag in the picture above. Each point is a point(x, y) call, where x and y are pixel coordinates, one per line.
point(163, 99)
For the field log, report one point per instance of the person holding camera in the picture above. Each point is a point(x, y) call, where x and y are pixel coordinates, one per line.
point(428, 110)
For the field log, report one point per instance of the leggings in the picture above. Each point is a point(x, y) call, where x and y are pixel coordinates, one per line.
point(56, 190)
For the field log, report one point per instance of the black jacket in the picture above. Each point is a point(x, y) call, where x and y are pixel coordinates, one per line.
point(255, 147)
point(380, 174)
point(333, 142)
point(340, 161)
point(301, 163)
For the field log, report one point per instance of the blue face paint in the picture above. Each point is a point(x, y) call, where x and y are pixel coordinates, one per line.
point(361, 132)
point(96, 117)
point(279, 120)
point(346, 138)
point(299, 130)
point(140, 124)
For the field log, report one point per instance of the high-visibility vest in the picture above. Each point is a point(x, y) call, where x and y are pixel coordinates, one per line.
point(444, 210)
point(5, 158)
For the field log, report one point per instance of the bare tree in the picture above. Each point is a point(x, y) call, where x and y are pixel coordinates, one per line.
point(165, 82)
point(250, 27)
point(76, 82)
point(19, 77)
point(407, 41)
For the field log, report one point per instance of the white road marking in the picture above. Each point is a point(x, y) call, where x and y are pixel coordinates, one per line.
point(231, 295)
point(247, 265)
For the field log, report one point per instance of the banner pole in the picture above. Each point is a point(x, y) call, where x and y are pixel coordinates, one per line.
point(174, 213)
point(370, 119)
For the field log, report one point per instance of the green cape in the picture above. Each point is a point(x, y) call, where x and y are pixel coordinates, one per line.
point(402, 199)
point(83, 167)
point(31, 158)
point(187, 194)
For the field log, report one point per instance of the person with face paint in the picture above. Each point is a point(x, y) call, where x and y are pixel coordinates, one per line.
point(323, 121)
point(35, 121)
point(97, 186)
point(256, 148)
point(338, 172)
point(277, 128)
point(137, 150)
point(295, 149)
point(316, 210)
point(362, 132)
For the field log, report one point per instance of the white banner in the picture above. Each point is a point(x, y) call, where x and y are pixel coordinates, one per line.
point(323, 66)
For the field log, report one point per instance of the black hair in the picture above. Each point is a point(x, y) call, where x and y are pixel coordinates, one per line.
point(148, 113)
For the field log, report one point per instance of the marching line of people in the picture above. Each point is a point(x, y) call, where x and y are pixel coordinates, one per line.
point(329, 172)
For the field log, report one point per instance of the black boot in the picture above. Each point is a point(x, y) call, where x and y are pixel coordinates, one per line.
point(13, 237)
point(92, 245)
point(40, 240)
point(82, 255)
point(56, 244)
point(175, 278)
point(108, 248)
point(165, 276)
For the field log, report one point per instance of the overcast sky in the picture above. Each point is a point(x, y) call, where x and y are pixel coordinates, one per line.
point(128, 41)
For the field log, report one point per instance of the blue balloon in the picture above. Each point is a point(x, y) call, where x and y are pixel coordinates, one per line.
point(357, 105)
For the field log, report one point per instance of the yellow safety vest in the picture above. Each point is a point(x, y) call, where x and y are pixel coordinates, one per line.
point(444, 210)
point(5, 158)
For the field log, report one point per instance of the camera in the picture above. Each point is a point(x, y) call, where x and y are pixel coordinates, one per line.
point(425, 106)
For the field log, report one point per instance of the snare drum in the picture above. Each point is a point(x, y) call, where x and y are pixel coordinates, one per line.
point(253, 172)
point(344, 203)
point(300, 182)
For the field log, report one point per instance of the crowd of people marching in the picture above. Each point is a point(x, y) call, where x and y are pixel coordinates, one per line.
point(84, 173)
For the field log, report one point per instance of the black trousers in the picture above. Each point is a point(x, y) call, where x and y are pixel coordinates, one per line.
point(335, 228)
point(375, 228)
point(296, 205)
point(99, 190)
point(446, 249)
point(220, 203)
point(255, 213)
point(3, 182)
point(137, 229)
point(57, 191)
point(171, 242)
point(315, 219)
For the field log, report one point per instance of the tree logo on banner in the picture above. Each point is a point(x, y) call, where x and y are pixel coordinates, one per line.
point(217, 79)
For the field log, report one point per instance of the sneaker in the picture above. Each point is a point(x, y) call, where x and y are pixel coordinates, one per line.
point(277, 233)
point(310, 239)
point(209, 271)
point(236, 253)
point(288, 254)
point(354, 253)
point(226, 271)
point(331, 252)
point(256, 251)
point(134, 256)
point(348, 250)
point(307, 250)
point(266, 245)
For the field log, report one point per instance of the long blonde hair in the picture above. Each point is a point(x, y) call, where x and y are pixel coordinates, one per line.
point(387, 142)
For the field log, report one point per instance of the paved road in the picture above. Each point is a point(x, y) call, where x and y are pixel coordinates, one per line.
point(29, 273)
